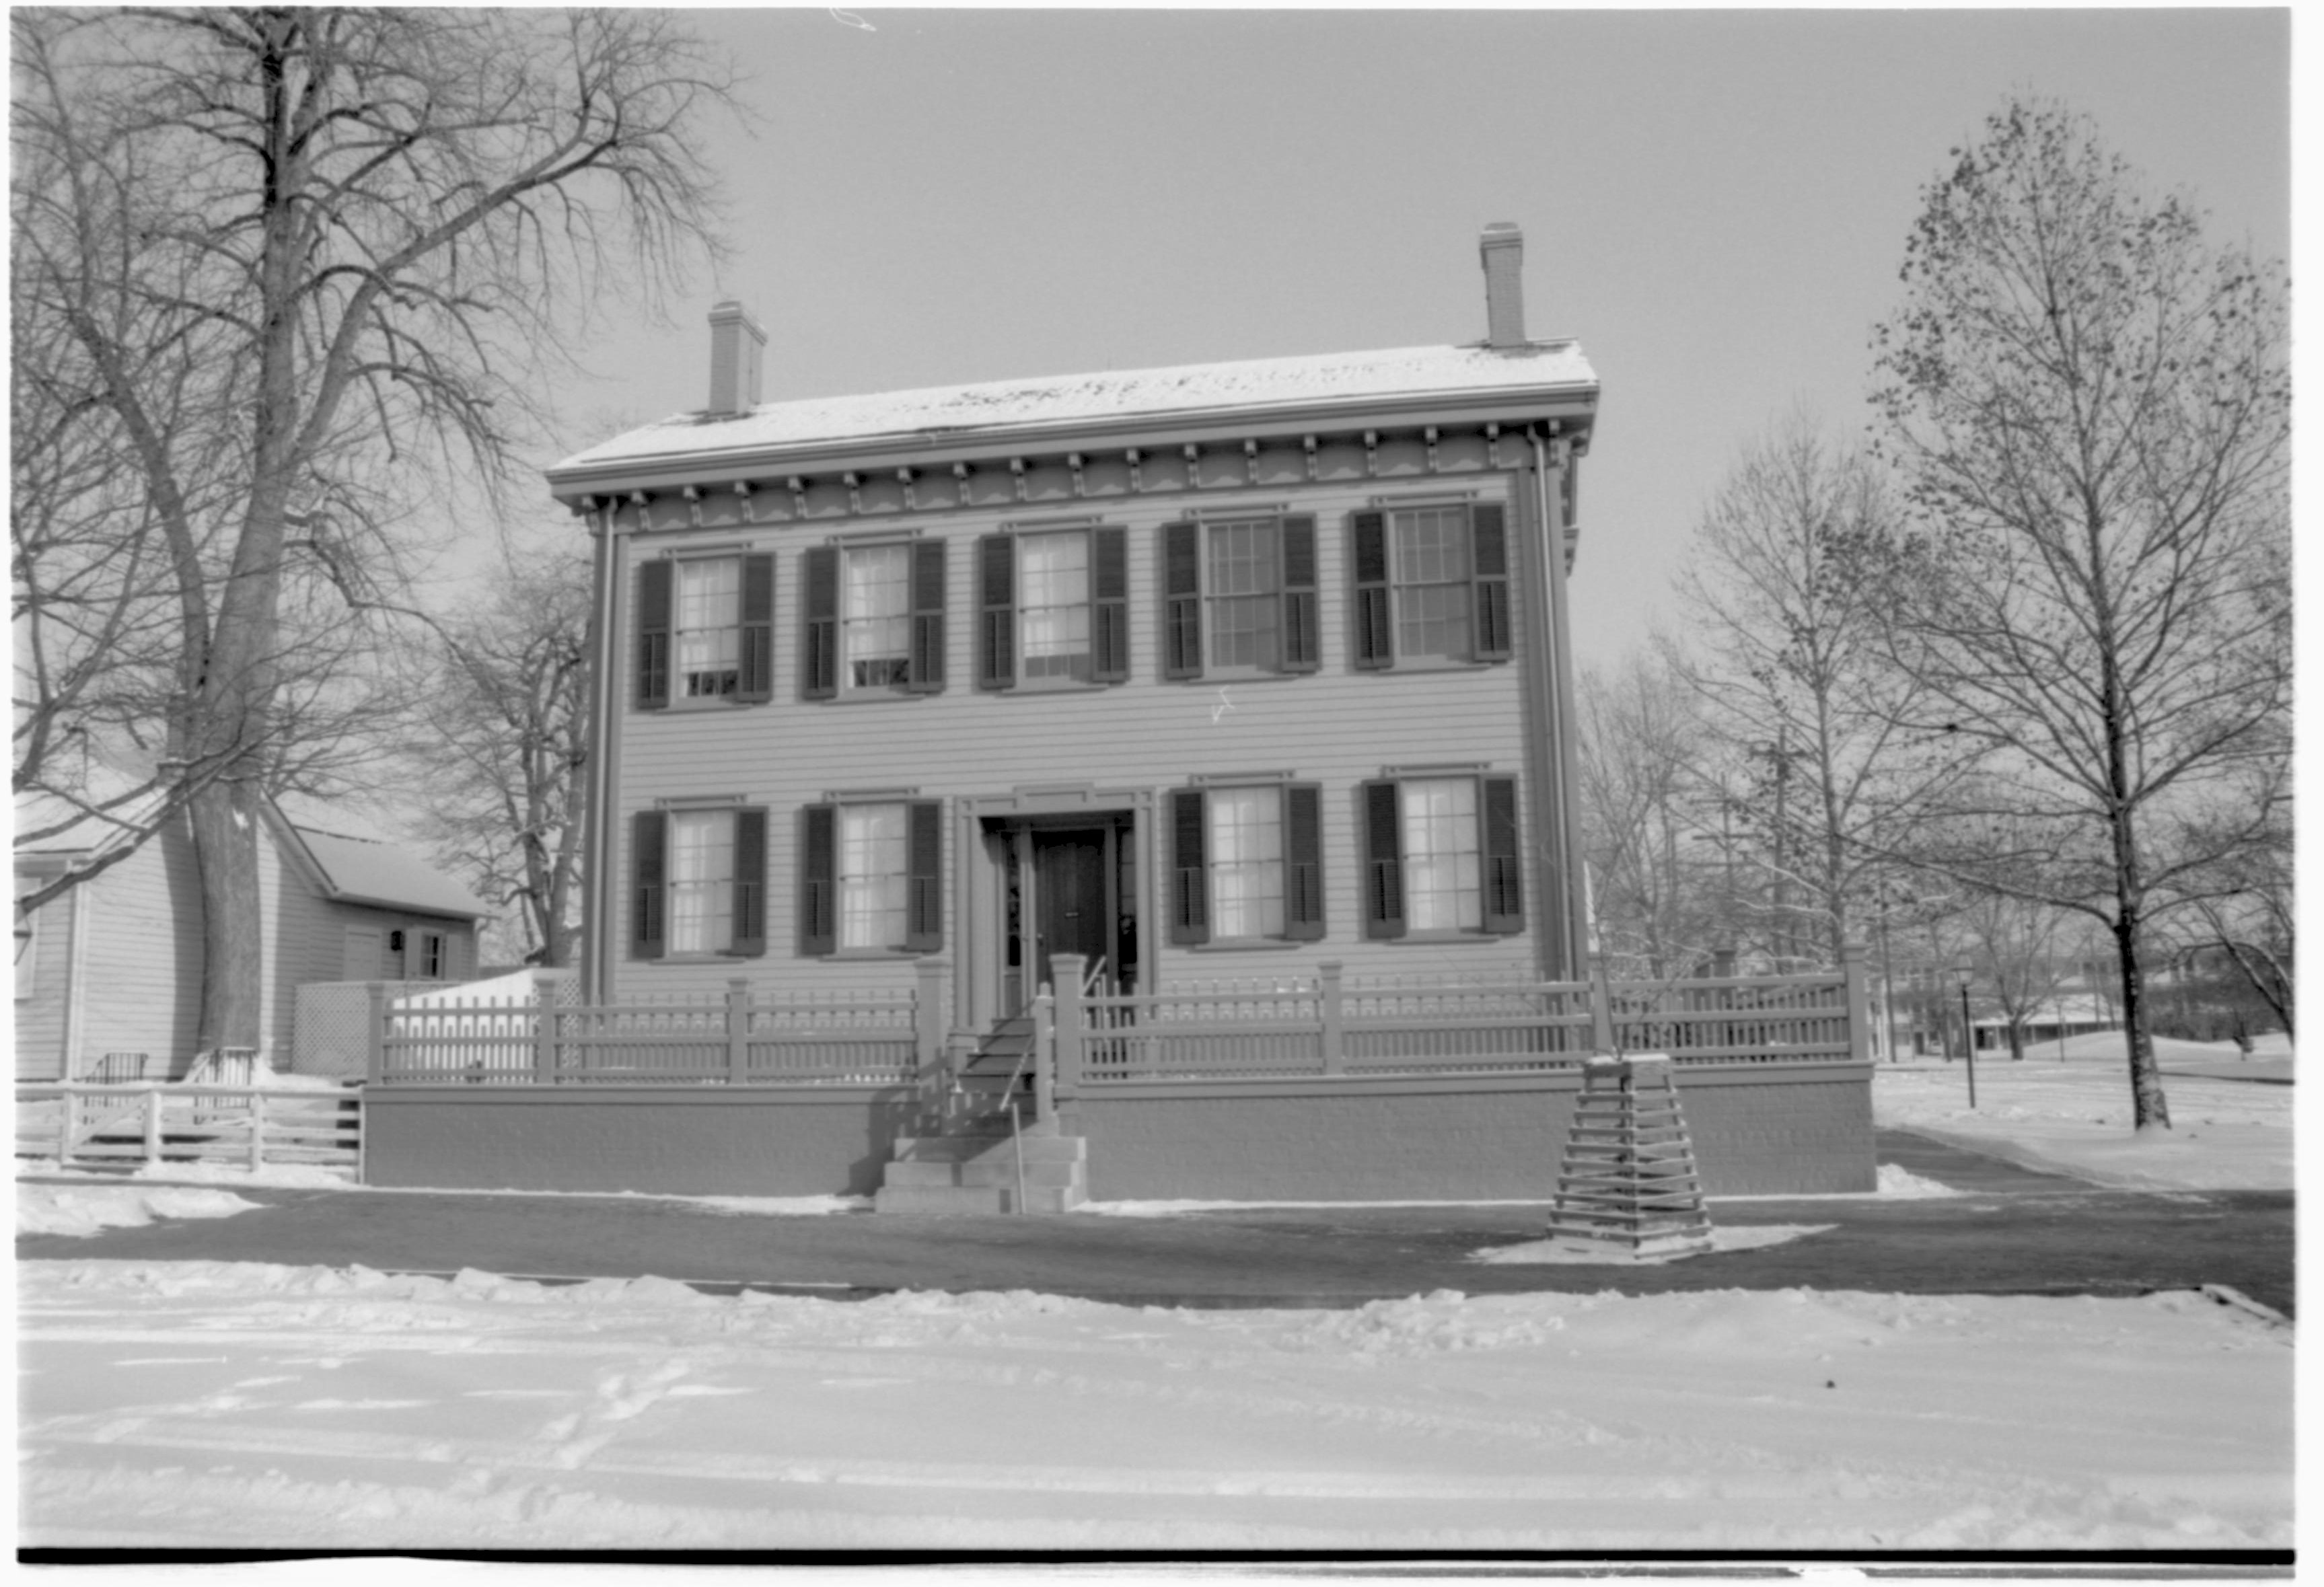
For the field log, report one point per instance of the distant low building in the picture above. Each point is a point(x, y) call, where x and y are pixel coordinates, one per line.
point(113, 965)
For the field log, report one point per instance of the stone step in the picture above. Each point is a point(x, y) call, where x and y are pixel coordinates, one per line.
point(963, 1148)
point(972, 1200)
point(985, 1171)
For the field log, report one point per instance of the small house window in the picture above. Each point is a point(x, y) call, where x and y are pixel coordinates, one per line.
point(431, 956)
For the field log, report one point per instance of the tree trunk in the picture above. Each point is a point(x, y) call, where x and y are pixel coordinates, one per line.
point(225, 818)
point(2148, 1108)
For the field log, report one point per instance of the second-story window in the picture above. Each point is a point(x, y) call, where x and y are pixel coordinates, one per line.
point(705, 630)
point(1432, 584)
point(1239, 596)
point(872, 619)
point(1054, 580)
point(875, 626)
point(709, 616)
point(1053, 607)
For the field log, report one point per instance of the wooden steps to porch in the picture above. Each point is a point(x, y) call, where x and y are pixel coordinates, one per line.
point(970, 1164)
point(1628, 1182)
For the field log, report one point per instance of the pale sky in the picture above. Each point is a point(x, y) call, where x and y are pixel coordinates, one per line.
point(1714, 203)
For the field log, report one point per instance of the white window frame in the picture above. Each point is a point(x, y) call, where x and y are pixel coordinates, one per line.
point(1465, 859)
point(1269, 872)
point(867, 898)
point(723, 639)
point(852, 623)
point(682, 895)
point(1400, 588)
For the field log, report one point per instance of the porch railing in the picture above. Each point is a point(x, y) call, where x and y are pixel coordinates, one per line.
point(1328, 1025)
point(743, 1039)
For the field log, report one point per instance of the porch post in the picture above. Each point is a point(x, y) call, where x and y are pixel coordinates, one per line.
point(257, 1128)
point(928, 1016)
point(375, 1032)
point(1327, 978)
point(1067, 969)
point(1602, 1005)
point(1859, 1011)
point(738, 1030)
point(153, 1124)
point(544, 1033)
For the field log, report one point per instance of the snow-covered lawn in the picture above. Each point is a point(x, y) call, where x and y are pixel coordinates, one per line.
point(203, 1404)
point(2074, 1114)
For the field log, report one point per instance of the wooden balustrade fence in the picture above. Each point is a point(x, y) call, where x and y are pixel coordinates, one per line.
point(1318, 1025)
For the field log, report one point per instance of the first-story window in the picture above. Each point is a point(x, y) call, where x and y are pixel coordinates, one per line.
point(1247, 864)
point(1441, 856)
point(698, 882)
point(1432, 584)
point(705, 629)
point(873, 619)
point(1052, 606)
point(870, 877)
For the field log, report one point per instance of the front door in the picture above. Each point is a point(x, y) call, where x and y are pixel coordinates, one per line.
point(1071, 911)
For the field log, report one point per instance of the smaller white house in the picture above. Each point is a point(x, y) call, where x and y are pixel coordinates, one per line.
point(111, 969)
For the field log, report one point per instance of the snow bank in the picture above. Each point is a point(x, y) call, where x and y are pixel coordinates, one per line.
point(2074, 1117)
point(62, 1209)
point(211, 1404)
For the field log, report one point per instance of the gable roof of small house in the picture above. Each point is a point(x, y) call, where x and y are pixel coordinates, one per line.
point(351, 870)
point(999, 411)
point(358, 871)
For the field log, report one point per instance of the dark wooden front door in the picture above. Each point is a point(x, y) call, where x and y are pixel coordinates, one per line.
point(1071, 912)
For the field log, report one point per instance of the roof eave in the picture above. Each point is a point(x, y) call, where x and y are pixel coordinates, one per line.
point(1517, 404)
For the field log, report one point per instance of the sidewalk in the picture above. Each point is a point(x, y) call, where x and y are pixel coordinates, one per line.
point(2018, 1231)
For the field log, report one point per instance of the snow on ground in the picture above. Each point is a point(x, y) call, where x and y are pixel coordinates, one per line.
point(222, 1405)
point(64, 1209)
point(2072, 1114)
point(1570, 1252)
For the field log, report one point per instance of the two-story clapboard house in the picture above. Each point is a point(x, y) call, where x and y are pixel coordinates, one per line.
point(1194, 672)
point(1187, 752)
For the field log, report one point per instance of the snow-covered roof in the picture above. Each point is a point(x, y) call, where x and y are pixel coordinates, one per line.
point(362, 871)
point(1249, 388)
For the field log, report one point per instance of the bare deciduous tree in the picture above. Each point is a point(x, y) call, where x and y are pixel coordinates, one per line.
point(1794, 674)
point(2092, 408)
point(290, 253)
point(504, 735)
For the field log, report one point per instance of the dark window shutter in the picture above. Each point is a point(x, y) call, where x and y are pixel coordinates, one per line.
point(1489, 561)
point(653, 634)
point(1504, 867)
point(928, 664)
point(1301, 643)
point(1375, 647)
point(757, 679)
point(996, 638)
point(1190, 877)
point(923, 860)
point(1302, 862)
point(819, 622)
point(818, 870)
point(1182, 600)
point(648, 934)
point(750, 882)
point(1383, 860)
point(1110, 605)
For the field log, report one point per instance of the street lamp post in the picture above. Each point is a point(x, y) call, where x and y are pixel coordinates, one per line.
point(1961, 973)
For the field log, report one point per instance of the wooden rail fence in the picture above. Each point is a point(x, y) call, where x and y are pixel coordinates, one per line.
point(249, 1127)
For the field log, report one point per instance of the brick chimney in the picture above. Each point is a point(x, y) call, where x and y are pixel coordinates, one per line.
point(738, 347)
point(1502, 250)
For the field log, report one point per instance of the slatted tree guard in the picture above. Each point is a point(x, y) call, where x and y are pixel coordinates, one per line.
point(1629, 1186)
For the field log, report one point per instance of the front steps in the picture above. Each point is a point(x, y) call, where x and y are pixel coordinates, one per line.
point(971, 1173)
point(969, 1164)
